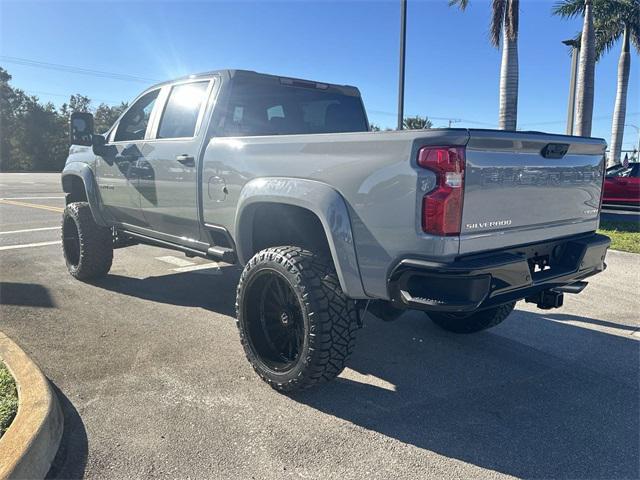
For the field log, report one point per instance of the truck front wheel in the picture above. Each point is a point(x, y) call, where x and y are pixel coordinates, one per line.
point(472, 323)
point(87, 247)
point(297, 327)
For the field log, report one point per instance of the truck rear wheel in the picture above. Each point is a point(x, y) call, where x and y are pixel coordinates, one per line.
point(475, 322)
point(297, 327)
point(87, 247)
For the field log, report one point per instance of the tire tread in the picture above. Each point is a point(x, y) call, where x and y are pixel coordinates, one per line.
point(475, 322)
point(96, 243)
point(332, 315)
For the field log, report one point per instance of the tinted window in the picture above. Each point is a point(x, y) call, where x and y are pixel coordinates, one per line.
point(274, 109)
point(622, 171)
point(183, 107)
point(133, 124)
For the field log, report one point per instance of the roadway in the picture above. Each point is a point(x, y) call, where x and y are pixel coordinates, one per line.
point(154, 383)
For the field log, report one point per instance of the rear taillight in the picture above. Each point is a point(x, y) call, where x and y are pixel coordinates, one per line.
point(604, 182)
point(442, 206)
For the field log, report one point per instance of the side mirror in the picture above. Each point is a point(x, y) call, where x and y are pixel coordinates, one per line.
point(81, 131)
point(98, 143)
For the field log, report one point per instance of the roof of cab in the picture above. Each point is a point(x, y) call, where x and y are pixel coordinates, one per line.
point(230, 73)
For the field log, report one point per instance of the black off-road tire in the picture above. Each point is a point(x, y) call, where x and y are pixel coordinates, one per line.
point(475, 322)
point(87, 247)
point(329, 318)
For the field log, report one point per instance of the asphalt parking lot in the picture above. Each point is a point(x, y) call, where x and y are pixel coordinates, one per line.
point(154, 383)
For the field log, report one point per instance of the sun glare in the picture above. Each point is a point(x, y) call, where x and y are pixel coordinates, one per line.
point(187, 96)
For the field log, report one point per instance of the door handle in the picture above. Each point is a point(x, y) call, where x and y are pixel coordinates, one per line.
point(186, 160)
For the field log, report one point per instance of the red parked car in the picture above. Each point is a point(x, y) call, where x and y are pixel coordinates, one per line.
point(622, 185)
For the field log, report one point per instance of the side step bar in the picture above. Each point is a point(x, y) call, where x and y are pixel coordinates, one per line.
point(222, 254)
point(576, 287)
point(554, 297)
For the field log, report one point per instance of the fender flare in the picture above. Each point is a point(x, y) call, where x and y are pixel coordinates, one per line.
point(320, 199)
point(83, 171)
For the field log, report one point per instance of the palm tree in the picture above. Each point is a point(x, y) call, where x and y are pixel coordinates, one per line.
point(612, 20)
point(417, 123)
point(620, 19)
point(587, 63)
point(504, 23)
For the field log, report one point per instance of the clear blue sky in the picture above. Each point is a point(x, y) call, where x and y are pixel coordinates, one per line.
point(452, 71)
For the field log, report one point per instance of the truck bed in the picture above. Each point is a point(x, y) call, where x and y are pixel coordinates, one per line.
point(513, 195)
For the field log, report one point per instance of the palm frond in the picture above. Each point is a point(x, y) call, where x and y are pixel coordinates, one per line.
point(634, 34)
point(497, 20)
point(568, 8)
point(608, 31)
point(611, 17)
point(604, 44)
point(461, 4)
point(512, 19)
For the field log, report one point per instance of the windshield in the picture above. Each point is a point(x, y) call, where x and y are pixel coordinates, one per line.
point(269, 108)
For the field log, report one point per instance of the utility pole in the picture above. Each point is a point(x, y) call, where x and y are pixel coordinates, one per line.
point(403, 39)
point(571, 108)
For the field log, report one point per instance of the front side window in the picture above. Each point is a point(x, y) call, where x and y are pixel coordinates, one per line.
point(134, 123)
point(183, 108)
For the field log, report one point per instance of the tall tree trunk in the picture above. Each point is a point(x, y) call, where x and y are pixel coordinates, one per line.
point(620, 109)
point(586, 74)
point(508, 115)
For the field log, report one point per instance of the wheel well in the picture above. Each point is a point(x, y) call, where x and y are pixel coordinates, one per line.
point(74, 188)
point(279, 224)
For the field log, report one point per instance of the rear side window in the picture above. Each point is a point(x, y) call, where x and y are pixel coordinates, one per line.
point(269, 108)
point(181, 113)
point(134, 123)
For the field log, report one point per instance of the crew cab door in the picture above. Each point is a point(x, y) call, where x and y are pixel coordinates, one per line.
point(169, 172)
point(118, 170)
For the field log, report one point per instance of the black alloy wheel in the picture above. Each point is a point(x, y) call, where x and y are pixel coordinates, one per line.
point(278, 335)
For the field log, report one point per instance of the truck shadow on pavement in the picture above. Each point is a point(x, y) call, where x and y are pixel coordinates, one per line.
point(533, 398)
point(25, 294)
point(536, 397)
point(190, 289)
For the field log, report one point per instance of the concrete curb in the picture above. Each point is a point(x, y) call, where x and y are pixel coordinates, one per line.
point(31, 442)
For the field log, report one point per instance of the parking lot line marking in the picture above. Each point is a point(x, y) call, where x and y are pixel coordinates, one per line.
point(29, 245)
point(31, 198)
point(32, 205)
point(180, 262)
point(203, 266)
point(30, 230)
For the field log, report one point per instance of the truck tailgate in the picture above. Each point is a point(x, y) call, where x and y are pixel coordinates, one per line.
point(522, 187)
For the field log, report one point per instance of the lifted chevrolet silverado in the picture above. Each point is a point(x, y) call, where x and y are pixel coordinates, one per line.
point(329, 220)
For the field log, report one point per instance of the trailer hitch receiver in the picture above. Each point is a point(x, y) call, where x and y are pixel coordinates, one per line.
point(547, 299)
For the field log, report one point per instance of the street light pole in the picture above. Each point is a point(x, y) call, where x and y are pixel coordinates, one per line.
point(571, 108)
point(403, 38)
point(638, 131)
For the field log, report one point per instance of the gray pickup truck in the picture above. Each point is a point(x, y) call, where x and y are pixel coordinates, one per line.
point(329, 220)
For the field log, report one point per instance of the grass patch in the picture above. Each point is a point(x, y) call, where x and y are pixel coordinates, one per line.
point(8, 399)
point(625, 236)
